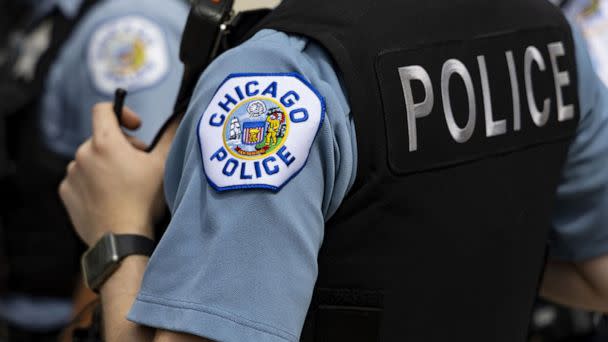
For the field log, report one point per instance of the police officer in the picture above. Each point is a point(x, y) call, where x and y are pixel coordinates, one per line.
point(425, 161)
point(71, 55)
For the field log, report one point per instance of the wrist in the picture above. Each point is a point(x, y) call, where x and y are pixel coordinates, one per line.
point(126, 280)
point(143, 228)
point(137, 223)
point(117, 295)
point(110, 256)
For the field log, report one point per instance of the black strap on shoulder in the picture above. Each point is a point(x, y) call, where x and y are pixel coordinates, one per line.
point(211, 29)
point(201, 42)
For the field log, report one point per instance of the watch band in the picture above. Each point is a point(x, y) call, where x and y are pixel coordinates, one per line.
point(129, 244)
point(101, 260)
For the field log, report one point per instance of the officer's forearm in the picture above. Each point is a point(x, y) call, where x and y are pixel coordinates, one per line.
point(583, 284)
point(117, 297)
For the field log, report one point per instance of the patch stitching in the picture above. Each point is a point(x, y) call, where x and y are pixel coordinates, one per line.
point(295, 173)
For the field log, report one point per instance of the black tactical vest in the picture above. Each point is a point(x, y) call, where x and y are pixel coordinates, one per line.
point(39, 248)
point(464, 111)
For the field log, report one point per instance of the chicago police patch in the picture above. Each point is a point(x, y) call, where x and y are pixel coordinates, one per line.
point(128, 52)
point(258, 130)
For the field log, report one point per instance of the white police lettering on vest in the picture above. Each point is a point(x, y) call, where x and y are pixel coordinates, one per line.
point(533, 58)
point(258, 130)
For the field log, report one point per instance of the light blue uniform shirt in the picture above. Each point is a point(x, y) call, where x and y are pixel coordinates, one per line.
point(581, 213)
point(241, 265)
point(593, 23)
point(70, 93)
point(71, 89)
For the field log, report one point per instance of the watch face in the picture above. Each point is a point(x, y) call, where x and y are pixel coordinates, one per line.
point(100, 261)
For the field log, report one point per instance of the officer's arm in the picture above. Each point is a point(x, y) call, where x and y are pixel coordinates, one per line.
point(100, 165)
point(578, 274)
point(579, 284)
point(117, 296)
point(241, 265)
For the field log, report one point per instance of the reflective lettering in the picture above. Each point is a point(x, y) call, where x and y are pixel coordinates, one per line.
point(532, 71)
point(562, 79)
point(539, 117)
point(493, 128)
point(415, 110)
point(514, 91)
point(454, 66)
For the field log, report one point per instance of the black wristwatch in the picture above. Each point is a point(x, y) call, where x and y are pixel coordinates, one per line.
point(101, 260)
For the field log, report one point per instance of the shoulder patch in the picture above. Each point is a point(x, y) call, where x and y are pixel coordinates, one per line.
point(128, 52)
point(258, 130)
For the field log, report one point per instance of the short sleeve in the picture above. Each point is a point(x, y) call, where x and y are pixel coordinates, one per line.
point(116, 44)
point(241, 265)
point(581, 212)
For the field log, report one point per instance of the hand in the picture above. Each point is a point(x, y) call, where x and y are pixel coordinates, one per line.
point(114, 186)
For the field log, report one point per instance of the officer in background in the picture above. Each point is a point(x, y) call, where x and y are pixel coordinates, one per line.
point(553, 322)
point(425, 160)
point(591, 16)
point(70, 55)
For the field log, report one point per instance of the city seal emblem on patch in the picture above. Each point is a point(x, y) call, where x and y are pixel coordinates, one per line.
point(258, 130)
point(128, 52)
